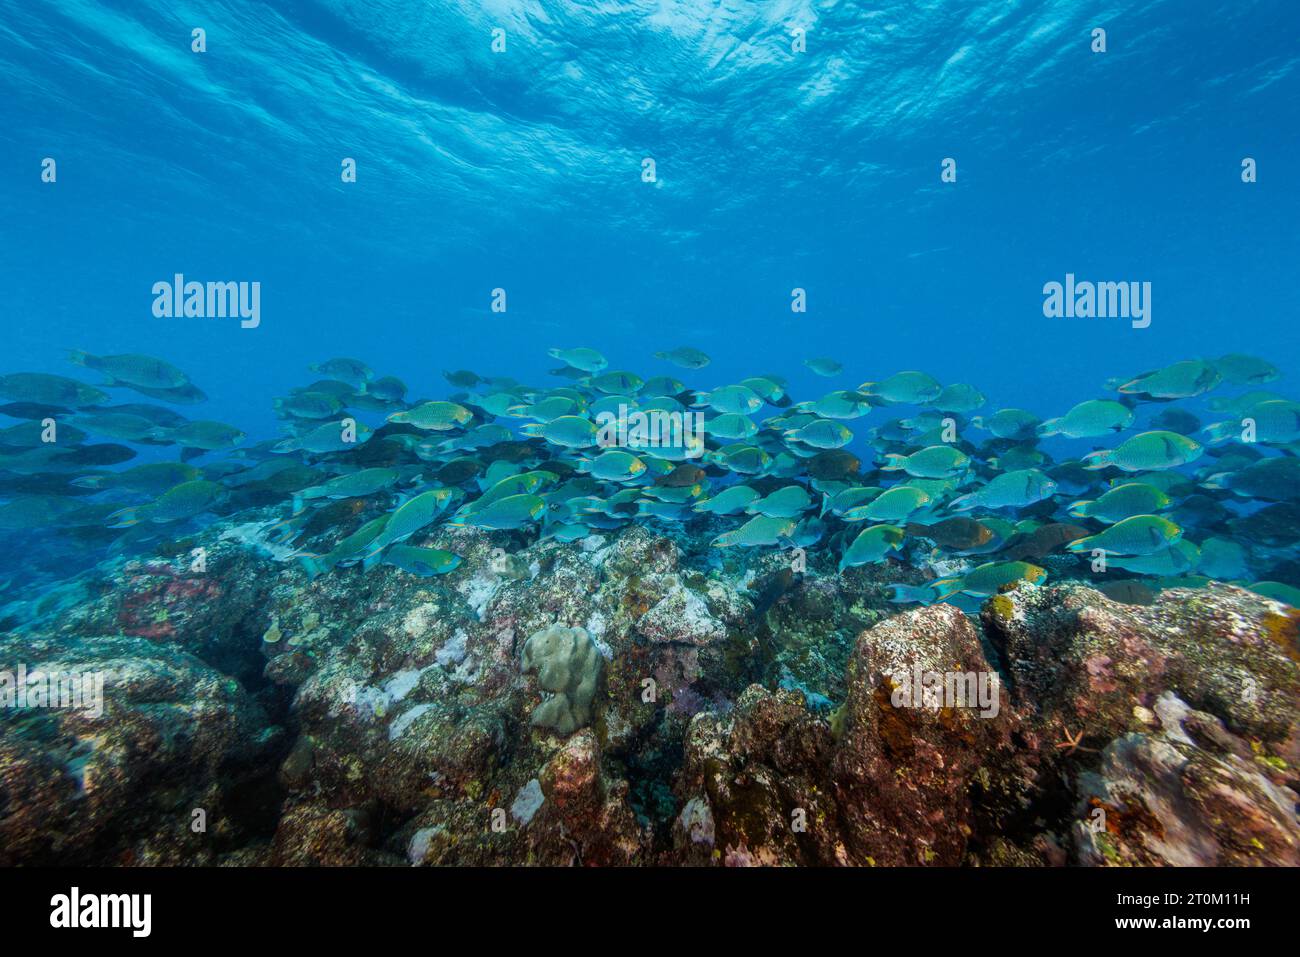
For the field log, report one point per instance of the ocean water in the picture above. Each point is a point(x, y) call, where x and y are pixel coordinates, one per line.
point(890, 185)
point(522, 170)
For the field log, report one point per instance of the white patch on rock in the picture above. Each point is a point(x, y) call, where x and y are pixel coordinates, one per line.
point(402, 683)
point(681, 616)
point(405, 720)
point(478, 591)
point(370, 702)
point(527, 802)
point(454, 651)
point(1171, 710)
point(596, 630)
point(418, 848)
point(252, 535)
point(696, 820)
point(466, 672)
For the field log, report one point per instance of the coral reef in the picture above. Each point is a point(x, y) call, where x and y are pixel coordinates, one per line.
point(568, 666)
point(635, 698)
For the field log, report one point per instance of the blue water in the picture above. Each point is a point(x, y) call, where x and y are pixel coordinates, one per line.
point(521, 170)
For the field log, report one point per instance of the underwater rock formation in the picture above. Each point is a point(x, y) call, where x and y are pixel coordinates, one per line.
point(175, 770)
point(636, 698)
point(1189, 793)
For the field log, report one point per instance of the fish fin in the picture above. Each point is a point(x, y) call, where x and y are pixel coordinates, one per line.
point(1080, 509)
point(125, 518)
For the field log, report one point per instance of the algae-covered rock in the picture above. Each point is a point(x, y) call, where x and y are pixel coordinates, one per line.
point(691, 707)
point(757, 781)
point(1084, 662)
point(925, 713)
point(119, 777)
point(1188, 794)
point(567, 664)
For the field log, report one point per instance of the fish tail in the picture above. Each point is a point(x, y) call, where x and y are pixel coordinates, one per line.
point(313, 566)
point(900, 594)
point(893, 462)
point(1080, 544)
point(282, 530)
point(1049, 427)
point(1081, 509)
point(78, 358)
point(1221, 432)
point(372, 557)
point(125, 517)
point(1098, 460)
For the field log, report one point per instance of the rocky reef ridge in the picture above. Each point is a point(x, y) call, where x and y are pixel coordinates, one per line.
point(638, 699)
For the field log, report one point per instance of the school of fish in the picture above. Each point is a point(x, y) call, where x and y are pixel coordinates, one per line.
point(1181, 475)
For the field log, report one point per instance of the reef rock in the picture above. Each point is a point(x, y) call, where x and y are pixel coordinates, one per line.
point(176, 768)
point(637, 698)
point(1187, 794)
point(1082, 663)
